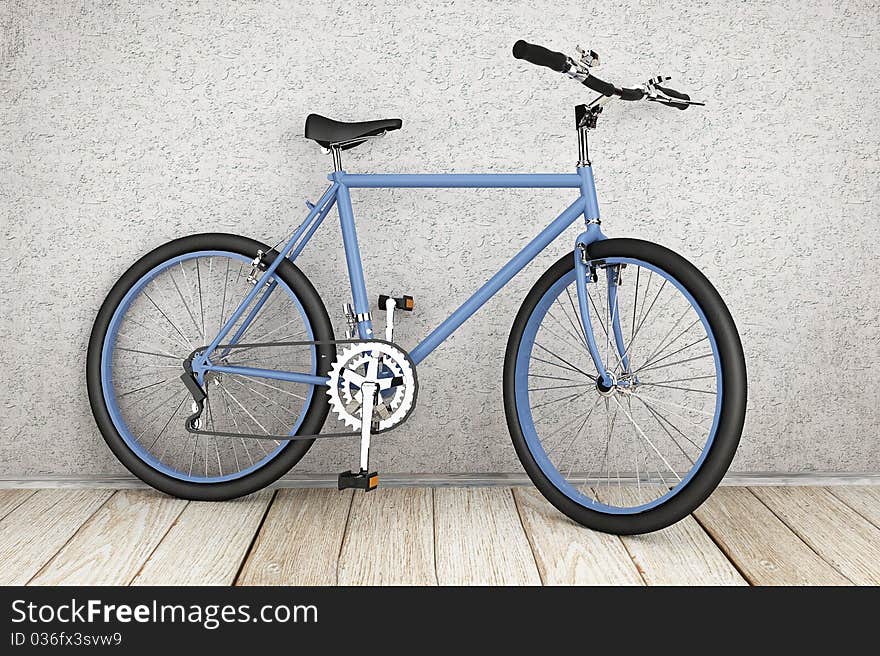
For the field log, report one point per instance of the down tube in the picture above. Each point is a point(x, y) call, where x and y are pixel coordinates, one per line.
point(496, 282)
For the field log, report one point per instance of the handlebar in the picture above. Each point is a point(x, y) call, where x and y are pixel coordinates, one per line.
point(561, 63)
point(541, 56)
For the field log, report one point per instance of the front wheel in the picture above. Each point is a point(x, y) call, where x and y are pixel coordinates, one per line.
point(643, 452)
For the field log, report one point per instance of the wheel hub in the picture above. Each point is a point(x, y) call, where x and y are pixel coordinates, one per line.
point(606, 390)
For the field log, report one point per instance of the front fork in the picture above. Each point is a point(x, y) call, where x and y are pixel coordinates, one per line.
point(583, 277)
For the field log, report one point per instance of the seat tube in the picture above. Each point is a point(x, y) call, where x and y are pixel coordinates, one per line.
point(353, 261)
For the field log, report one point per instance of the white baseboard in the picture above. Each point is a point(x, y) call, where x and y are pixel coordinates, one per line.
point(440, 480)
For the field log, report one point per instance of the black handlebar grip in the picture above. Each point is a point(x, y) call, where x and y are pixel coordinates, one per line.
point(540, 56)
point(672, 93)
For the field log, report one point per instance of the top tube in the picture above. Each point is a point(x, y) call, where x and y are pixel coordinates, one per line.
point(458, 180)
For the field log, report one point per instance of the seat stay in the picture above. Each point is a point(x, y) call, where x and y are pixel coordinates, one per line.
point(306, 228)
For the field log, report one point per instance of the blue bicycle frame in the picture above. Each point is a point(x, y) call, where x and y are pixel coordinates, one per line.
point(338, 194)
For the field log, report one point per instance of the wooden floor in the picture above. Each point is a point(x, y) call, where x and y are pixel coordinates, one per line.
point(429, 536)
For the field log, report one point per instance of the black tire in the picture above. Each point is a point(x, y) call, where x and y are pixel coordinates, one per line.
point(315, 414)
point(733, 407)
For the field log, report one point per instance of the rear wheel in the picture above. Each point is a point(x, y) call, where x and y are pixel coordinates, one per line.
point(173, 301)
point(644, 452)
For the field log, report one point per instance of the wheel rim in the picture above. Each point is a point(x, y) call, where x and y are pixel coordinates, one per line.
point(172, 306)
point(583, 452)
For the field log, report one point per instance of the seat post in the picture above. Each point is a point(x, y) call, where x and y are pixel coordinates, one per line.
point(337, 159)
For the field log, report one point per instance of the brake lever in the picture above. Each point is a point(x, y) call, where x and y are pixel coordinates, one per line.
point(585, 61)
point(588, 58)
point(674, 102)
point(656, 93)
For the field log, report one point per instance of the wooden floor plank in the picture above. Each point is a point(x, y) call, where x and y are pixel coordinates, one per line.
point(569, 554)
point(389, 539)
point(864, 500)
point(300, 539)
point(682, 554)
point(764, 549)
point(114, 543)
point(207, 544)
point(37, 529)
point(479, 539)
point(12, 499)
point(835, 531)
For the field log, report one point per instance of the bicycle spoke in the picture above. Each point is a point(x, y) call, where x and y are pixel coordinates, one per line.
point(646, 438)
point(642, 322)
point(281, 420)
point(657, 413)
point(275, 330)
point(567, 332)
point(676, 352)
point(144, 387)
point(538, 389)
point(576, 334)
point(223, 303)
point(154, 331)
point(635, 303)
point(564, 398)
point(686, 389)
point(192, 459)
point(246, 411)
point(532, 375)
point(561, 359)
point(577, 432)
point(697, 424)
point(165, 427)
point(153, 353)
point(678, 380)
point(577, 318)
point(237, 430)
point(596, 311)
point(245, 349)
point(662, 345)
point(673, 364)
point(666, 430)
point(608, 336)
point(173, 325)
point(158, 349)
point(155, 409)
point(185, 304)
point(653, 399)
point(555, 364)
point(201, 302)
point(274, 387)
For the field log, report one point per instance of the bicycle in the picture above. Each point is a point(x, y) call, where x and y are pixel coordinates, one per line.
point(213, 365)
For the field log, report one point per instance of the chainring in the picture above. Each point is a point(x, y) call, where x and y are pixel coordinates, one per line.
point(349, 372)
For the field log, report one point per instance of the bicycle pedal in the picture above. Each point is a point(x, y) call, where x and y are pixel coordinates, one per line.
point(405, 302)
point(358, 481)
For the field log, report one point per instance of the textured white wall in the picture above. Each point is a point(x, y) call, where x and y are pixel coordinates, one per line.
point(123, 125)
